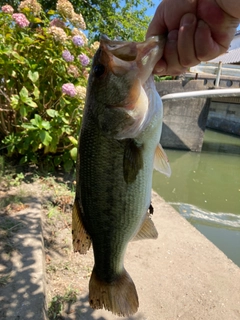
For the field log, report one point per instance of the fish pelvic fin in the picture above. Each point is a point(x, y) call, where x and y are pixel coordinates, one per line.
point(80, 238)
point(161, 162)
point(147, 230)
point(119, 296)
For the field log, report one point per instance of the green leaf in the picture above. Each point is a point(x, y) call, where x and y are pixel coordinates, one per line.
point(46, 125)
point(51, 12)
point(17, 56)
point(37, 121)
point(28, 126)
point(37, 35)
point(28, 41)
point(23, 111)
point(33, 76)
point(73, 153)
point(37, 20)
point(24, 159)
point(68, 164)
point(73, 140)
point(52, 113)
point(65, 120)
point(53, 144)
point(26, 10)
point(31, 103)
point(36, 92)
point(23, 94)
point(45, 137)
point(14, 101)
point(57, 160)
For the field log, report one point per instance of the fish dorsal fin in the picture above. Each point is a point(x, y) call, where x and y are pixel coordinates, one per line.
point(161, 162)
point(132, 160)
point(81, 239)
point(147, 230)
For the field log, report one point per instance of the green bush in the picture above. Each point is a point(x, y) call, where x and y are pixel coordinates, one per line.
point(44, 68)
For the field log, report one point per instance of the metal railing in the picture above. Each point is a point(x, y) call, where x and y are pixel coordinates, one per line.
point(211, 93)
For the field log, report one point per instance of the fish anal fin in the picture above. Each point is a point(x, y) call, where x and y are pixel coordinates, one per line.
point(132, 160)
point(119, 296)
point(161, 162)
point(81, 239)
point(147, 230)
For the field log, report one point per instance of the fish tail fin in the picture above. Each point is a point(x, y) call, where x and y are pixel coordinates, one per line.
point(119, 296)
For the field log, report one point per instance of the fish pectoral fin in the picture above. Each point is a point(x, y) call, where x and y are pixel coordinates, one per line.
point(132, 160)
point(81, 239)
point(161, 162)
point(147, 230)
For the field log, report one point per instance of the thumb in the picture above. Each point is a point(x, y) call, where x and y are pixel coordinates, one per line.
point(157, 26)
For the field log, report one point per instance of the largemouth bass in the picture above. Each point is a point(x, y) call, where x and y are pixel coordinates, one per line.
point(118, 148)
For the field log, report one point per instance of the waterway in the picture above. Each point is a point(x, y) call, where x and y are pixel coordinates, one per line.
point(205, 189)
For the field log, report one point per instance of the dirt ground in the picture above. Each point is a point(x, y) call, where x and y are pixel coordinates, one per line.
point(67, 273)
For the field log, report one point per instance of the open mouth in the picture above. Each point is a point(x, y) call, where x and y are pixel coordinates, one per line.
point(141, 56)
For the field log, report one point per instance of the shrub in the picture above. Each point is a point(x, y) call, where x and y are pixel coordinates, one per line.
point(43, 81)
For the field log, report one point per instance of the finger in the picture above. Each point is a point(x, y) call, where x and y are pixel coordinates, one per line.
point(171, 55)
point(216, 27)
point(186, 43)
point(210, 49)
point(160, 68)
point(157, 25)
point(168, 16)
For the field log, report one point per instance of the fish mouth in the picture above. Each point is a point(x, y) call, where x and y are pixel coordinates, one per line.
point(139, 57)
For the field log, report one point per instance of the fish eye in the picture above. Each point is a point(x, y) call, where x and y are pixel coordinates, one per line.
point(99, 70)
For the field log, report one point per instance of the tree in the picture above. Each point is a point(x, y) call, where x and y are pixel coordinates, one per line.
point(126, 20)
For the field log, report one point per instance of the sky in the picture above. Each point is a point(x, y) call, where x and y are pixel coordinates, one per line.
point(151, 11)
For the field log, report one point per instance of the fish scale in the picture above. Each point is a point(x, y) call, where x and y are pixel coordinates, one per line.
point(112, 203)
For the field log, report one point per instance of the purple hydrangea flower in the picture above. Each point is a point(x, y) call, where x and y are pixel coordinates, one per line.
point(21, 20)
point(78, 41)
point(84, 59)
point(69, 89)
point(67, 56)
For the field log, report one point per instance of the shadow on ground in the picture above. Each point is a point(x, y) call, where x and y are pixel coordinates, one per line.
point(21, 258)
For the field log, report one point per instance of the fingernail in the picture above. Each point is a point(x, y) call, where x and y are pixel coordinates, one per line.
point(158, 70)
point(188, 19)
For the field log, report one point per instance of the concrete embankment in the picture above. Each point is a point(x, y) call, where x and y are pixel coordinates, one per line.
point(181, 275)
point(185, 120)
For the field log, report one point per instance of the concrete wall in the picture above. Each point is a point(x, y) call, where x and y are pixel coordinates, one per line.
point(224, 113)
point(224, 116)
point(184, 120)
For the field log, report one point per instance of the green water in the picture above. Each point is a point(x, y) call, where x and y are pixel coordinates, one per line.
point(205, 189)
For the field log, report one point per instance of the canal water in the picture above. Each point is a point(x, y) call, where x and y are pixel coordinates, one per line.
point(205, 189)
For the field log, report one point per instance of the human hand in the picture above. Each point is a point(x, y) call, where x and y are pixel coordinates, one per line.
point(197, 30)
